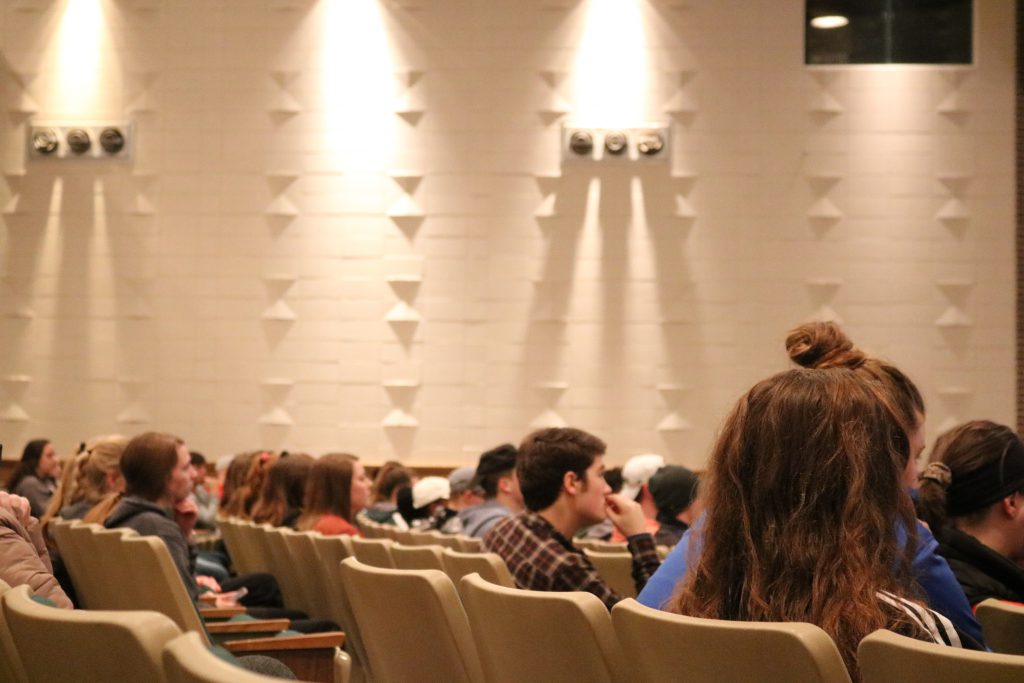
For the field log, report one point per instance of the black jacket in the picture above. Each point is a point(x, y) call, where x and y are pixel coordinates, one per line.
point(982, 572)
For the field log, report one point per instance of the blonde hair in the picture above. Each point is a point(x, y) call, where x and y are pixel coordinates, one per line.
point(85, 477)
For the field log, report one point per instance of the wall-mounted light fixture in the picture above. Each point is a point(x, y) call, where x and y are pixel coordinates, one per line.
point(67, 140)
point(827, 21)
point(642, 143)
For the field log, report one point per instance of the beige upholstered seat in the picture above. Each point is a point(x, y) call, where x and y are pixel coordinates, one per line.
point(468, 544)
point(375, 552)
point(407, 536)
point(417, 557)
point(331, 550)
point(11, 668)
point(75, 543)
point(489, 566)
point(104, 560)
point(1003, 625)
point(186, 659)
point(659, 645)
point(445, 540)
point(310, 571)
point(231, 533)
point(616, 568)
point(413, 624)
point(57, 645)
point(255, 548)
point(285, 570)
point(535, 636)
point(887, 656)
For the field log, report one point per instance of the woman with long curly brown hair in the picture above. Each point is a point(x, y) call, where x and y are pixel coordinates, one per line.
point(803, 489)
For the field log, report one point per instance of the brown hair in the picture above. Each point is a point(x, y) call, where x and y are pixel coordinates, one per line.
point(546, 455)
point(234, 477)
point(244, 497)
point(391, 476)
point(29, 463)
point(820, 345)
point(328, 489)
point(283, 489)
point(964, 450)
point(147, 463)
point(85, 477)
point(803, 501)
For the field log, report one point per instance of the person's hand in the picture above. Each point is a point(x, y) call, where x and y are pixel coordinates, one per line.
point(209, 582)
point(626, 514)
point(18, 505)
point(185, 514)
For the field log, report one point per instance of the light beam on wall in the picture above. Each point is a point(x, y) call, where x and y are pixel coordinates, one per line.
point(78, 46)
point(358, 85)
point(611, 66)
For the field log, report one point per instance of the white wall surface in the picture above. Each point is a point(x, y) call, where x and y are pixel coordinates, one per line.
point(347, 225)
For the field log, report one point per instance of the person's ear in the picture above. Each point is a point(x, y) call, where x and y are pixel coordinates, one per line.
point(1011, 506)
point(570, 483)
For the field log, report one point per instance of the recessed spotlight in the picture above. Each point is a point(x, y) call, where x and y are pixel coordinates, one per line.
point(830, 21)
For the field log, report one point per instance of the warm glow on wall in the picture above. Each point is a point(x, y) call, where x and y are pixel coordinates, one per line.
point(357, 85)
point(611, 66)
point(78, 46)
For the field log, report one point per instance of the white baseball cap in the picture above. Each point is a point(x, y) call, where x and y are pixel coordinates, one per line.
point(637, 471)
point(430, 489)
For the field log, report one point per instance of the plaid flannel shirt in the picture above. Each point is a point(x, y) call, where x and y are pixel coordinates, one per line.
point(540, 558)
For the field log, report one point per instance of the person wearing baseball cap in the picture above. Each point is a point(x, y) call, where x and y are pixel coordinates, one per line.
point(496, 477)
point(636, 473)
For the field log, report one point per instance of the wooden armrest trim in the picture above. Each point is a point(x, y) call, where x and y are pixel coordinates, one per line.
point(220, 612)
point(309, 641)
point(258, 625)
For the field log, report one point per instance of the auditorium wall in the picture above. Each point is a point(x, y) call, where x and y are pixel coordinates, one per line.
point(348, 225)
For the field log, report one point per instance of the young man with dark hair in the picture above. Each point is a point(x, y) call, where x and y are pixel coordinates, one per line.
point(560, 474)
point(496, 477)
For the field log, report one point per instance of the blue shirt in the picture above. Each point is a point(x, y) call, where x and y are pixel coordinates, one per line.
point(932, 572)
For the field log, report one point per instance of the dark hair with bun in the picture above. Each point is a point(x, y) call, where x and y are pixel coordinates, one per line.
point(819, 345)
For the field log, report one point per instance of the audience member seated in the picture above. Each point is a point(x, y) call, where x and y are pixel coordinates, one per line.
point(464, 494)
point(232, 480)
point(674, 489)
point(803, 486)
point(157, 471)
point(284, 489)
point(337, 488)
point(820, 346)
point(560, 475)
point(35, 477)
point(206, 502)
point(383, 509)
point(602, 531)
point(89, 477)
point(424, 505)
point(23, 556)
point(496, 477)
point(636, 473)
point(241, 499)
point(972, 496)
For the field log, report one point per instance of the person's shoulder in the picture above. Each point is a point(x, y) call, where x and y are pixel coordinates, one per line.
point(335, 525)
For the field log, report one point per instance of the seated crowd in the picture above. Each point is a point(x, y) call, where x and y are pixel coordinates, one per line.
point(811, 508)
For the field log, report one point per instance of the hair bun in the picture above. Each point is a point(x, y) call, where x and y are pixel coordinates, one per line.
point(820, 345)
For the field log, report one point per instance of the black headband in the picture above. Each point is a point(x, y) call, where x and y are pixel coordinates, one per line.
point(992, 481)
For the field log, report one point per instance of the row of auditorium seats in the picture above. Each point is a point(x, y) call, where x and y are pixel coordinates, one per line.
point(406, 622)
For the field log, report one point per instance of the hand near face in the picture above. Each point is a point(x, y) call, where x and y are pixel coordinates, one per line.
point(185, 514)
point(626, 514)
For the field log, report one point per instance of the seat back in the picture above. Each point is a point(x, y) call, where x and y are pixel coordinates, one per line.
point(417, 557)
point(489, 566)
point(285, 569)
point(186, 659)
point(616, 568)
point(418, 604)
point(1003, 625)
point(229, 531)
point(375, 552)
point(105, 561)
point(11, 668)
point(311, 573)
point(60, 530)
point(254, 547)
point(162, 590)
point(468, 544)
point(406, 536)
point(79, 558)
point(332, 550)
point(515, 630)
point(92, 644)
point(887, 656)
point(659, 644)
